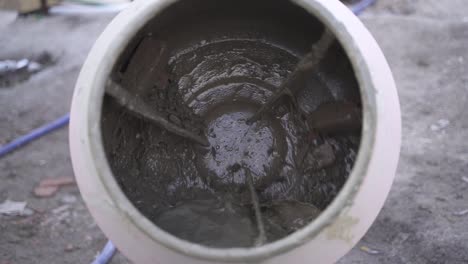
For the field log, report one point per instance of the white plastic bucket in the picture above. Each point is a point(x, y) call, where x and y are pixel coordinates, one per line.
point(327, 238)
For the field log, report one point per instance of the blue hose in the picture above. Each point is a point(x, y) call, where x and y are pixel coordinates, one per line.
point(36, 133)
point(360, 6)
point(106, 254)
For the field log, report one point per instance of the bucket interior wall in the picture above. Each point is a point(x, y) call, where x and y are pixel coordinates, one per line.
point(208, 66)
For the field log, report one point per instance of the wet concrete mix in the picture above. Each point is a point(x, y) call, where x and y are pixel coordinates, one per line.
point(231, 142)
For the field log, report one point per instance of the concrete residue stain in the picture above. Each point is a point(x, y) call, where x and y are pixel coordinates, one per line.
point(341, 229)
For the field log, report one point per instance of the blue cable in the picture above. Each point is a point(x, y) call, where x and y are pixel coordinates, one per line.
point(36, 133)
point(359, 7)
point(106, 254)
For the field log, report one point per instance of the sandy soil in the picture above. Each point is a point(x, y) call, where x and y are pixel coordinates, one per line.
point(426, 43)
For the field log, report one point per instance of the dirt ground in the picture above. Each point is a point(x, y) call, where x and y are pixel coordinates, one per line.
point(426, 44)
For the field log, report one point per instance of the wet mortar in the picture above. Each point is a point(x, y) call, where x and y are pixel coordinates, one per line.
point(211, 82)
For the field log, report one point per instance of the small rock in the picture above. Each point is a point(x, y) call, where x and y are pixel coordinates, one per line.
point(440, 124)
point(45, 191)
point(69, 248)
point(68, 199)
point(369, 251)
point(465, 179)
